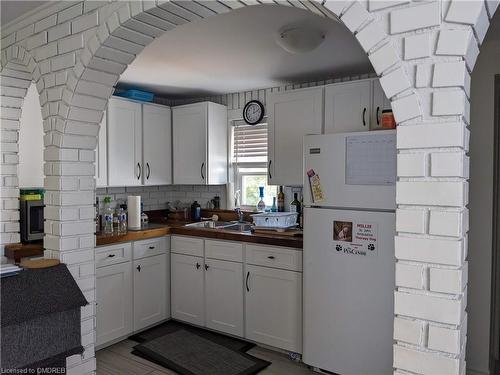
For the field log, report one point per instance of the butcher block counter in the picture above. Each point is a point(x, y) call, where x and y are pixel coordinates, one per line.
point(164, 228)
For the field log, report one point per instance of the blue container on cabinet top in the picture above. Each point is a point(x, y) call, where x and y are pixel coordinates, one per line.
point(142, 96)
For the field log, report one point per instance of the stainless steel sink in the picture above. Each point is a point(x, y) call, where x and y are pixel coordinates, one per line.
point(226, 225)
point(239, 227)
point(210, 224)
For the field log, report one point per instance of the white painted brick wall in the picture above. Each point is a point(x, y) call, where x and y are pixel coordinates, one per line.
point(432, 221)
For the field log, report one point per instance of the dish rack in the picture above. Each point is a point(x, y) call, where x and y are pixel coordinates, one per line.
point(275, 220)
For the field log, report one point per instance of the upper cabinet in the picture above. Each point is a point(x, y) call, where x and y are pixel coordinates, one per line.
point(348, 107)
point(101, 157)
point(291, 115)
point(200, 144)
point(380, 102)
point(124, 143)
point(354, 106)
point(139, 139)
point(157, 144)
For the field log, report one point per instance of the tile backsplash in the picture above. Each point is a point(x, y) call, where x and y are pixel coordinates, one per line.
point(156, 197)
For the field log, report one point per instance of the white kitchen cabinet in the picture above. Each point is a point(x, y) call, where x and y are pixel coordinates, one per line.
point(348, 106)
point(157, 145)
point(187, 288)
point(101, 155)
point(291, 115)
point(273, 305)
point(124, 143)
point(139, 144)
point(200, 144)
point(150, 283)
point(380, 102)
point(224, 296)
point(114, 301)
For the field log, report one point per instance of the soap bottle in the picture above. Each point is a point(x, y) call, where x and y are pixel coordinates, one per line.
point(273, 207)
point(261, 206)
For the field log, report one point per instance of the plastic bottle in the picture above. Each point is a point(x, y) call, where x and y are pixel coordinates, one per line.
point(122, 217)
point(261, 206)
point(108, 216)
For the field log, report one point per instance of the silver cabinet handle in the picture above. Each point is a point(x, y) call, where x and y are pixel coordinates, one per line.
point(201, 170)
point(138, 171)
point(269, 169)
point(377, 116)
point(148, 171)
point(364, 116)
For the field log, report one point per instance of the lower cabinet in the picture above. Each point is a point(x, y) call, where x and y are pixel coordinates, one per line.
point(246, 290)
point(114, 299)
point(273, 309)
point(132, 287)
point(150, 290)
point(187, 294)
point(224, 296)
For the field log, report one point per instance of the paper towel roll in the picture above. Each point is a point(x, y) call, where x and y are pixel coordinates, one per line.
point(134, 211)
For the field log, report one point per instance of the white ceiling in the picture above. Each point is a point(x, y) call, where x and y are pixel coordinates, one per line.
point(236, 51)
point(10, 10)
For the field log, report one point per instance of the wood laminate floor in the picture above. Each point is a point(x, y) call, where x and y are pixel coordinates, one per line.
point(118, 360)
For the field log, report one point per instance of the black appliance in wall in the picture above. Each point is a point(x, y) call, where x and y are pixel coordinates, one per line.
point(31, 220)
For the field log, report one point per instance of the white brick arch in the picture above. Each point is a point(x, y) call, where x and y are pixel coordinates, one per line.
point(423, 53)
point(18, 70)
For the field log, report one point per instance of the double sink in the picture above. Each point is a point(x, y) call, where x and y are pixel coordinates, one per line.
point(234, 226)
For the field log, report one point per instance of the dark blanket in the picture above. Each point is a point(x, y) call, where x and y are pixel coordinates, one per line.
point(37, 292)
point(40, 318)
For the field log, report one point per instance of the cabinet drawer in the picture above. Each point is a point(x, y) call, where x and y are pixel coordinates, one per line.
point(224, 250)
point(277, 257)
point(146, 248)
point(107, 255)
point(187, 245)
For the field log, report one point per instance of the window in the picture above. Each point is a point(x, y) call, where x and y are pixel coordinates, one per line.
point(249, 158)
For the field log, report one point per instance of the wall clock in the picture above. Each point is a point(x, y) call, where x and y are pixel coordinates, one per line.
point(253, 112)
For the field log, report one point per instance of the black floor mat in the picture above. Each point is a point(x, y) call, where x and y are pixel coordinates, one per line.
point(190, 354)
point(173, 326)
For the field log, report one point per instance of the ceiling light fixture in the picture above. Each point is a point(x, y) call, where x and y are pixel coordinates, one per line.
point(300, 39)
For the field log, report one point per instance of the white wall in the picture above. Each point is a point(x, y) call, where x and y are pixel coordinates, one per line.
point(31, 141)
point(481, 204)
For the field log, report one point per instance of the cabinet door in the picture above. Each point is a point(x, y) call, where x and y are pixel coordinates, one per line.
point(224, 296)
point(114, 302)
point(348, 107)
point(101, 157)
point(150, 283)
point(187, 295)
point(291, 115)
point(124, 143)
point(380, 102)
point(189, 125)
point(274, 307)
point(157, 145)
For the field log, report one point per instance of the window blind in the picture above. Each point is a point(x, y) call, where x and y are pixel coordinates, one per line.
point(249, 142)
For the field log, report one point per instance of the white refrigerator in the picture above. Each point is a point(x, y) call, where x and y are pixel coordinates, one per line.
point(349, 263)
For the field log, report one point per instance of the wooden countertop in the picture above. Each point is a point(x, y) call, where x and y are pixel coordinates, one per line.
point(153, 230)
point(20, 250)
point(17, 251)
point(177, 227)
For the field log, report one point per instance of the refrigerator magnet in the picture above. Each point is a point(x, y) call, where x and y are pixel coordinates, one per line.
point(315, 186)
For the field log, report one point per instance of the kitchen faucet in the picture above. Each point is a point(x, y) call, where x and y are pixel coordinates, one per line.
point(240, 215)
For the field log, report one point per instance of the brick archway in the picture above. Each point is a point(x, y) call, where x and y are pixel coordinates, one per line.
point(423, 53)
